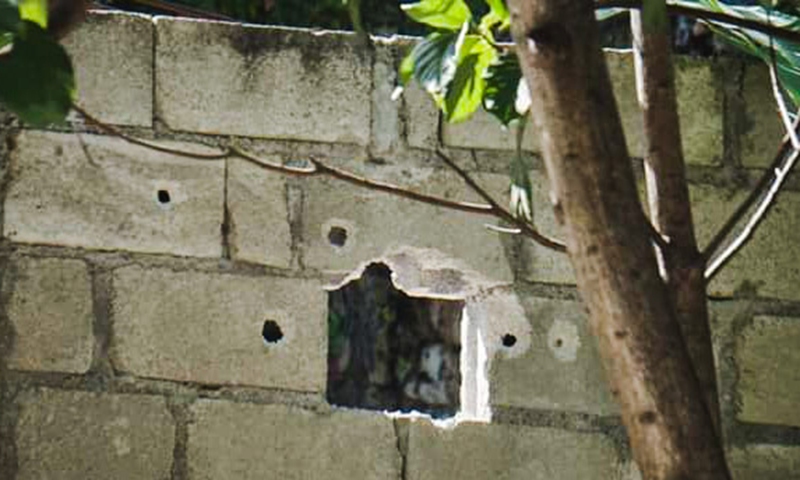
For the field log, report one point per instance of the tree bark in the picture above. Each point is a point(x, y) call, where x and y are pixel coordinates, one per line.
point(594, 193)
point(668, 193)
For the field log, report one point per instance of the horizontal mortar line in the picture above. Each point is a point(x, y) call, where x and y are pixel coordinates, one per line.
point(560, 419)
point(113, 259)
point(555, 291)
point(131, 385)
point(743, 434)
point(763, 305)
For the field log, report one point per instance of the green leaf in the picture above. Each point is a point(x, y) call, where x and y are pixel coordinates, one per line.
point(498, 15)
point(407, 68)
point(498, 8)
point(500, 93)
point(9, 16)
point(444, 14)
point(35, 11)
point(36, 78)
point(465, 93)
point(434, 61)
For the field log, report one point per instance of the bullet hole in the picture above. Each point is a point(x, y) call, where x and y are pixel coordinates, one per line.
point(271, 332)
point(390, 351)
point(509, 340)
point(558, 343)
point(337, 236)
point(163, 197)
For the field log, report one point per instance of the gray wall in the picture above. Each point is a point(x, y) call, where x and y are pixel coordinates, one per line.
point(130, 328)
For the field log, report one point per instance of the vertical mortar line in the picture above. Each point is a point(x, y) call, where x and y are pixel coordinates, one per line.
point(154, 84)
point(102, 368)
point(294, 197)
point(8, 407)
point(181, 413)
point(402, 429)
point(734, 115)
point(227, 223)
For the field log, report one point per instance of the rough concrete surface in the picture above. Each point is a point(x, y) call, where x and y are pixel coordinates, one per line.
point(114, 77)
point(377, 222)
point(207, 328)
point(766, 263)
point(561, 369)
point(765, 462)
point(68, 435)
point(263, 81)
point(769, 381)
point(258, 214)
point(275, 441)
point(50, 310)
point(483, 451)
point(103, 193)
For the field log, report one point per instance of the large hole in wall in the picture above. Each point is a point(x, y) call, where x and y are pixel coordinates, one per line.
point(390, 351)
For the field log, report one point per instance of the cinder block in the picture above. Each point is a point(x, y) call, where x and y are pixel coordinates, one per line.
point(112, 54)
point(387, 134)
point(258, 214)
point(72, 435)
point(375, 222)
point(700, 108)
point(422, 118)
point(274, 441)
point(224, 78)
point(770, 262)
point(765, 462)
point(539, 263)
point(207, 328)
point(481, 451)
point(561, 369)
point(108, 194)
point(484, 131)
point(768, 361)
point(764, 129)
point(50, 310)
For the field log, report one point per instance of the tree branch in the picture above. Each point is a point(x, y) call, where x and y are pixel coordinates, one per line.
point(525, 227)
point(709, 16)
point(777, 174)
point(320, 168)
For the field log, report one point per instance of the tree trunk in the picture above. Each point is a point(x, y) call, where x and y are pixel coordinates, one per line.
point(668, 193)
point(594, 192)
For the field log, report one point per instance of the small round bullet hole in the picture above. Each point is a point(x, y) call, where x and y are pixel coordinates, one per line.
point(337, 236)
point(559, 342)
point(271, 331)
point(509, 340)
point(163, 197)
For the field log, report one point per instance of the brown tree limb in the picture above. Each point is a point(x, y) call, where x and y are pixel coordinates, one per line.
point(668, 192)
point(320, 168)
point(525, 227)
point(592, 181)
point(709, 16)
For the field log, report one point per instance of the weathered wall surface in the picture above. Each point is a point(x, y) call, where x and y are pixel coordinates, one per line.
point(135, 283)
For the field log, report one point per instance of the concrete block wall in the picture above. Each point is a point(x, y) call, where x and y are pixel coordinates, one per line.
point(135, 283)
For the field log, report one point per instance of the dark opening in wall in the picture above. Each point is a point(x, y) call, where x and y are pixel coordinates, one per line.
point(389, 351)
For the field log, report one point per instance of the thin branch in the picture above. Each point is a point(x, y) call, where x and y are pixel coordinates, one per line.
point(152, 146)
point(709, 16)
point(320, 168)
point(780, 174)
point(500, 212)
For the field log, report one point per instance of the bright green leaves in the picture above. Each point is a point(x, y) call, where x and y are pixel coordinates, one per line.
point(451, 63)
point(442, 14)
point(502, 83)
point(35, 11)
point(465, 93)
point(36, 78)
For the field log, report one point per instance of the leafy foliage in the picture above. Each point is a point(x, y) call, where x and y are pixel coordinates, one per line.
point(36, 77)
point(786, 54)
